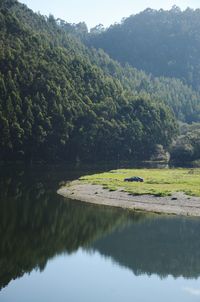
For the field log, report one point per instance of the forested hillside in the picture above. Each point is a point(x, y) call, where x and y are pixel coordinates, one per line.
point(164, 43)
point(187, 145)
point(57, 103)
point(183, 99)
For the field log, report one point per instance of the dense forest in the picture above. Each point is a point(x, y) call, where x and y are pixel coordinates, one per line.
point(186, 147)
point(62, 99)
point(164, 43)
point(57, 103)
point(183, 99)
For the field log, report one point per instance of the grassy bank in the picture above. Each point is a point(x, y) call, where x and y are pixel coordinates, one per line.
point(159, 182)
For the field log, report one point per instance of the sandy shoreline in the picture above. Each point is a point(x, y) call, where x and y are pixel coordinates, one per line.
point(177, 204)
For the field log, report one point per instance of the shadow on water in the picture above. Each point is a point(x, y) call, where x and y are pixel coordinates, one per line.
point(36, 225)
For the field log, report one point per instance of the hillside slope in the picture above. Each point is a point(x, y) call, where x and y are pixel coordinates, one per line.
point(56, 103)
point(164, 43)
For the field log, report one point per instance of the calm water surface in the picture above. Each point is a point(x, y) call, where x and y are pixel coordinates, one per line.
point(52, 249)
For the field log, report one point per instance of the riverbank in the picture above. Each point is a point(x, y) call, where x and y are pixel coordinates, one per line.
point(169, 191)
point(177, 204)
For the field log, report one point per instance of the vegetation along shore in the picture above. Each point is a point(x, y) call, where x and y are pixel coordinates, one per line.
point(169, 191)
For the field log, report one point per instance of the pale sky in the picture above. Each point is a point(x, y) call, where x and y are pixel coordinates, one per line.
point(106, 12)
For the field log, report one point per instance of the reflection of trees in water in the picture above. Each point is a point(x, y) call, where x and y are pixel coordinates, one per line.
point(36, 224)
point(160, 245)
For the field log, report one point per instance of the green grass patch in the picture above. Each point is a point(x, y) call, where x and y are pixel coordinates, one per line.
point(158, 182)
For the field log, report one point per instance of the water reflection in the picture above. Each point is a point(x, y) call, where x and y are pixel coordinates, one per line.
point(36, 225)
point(156, 245)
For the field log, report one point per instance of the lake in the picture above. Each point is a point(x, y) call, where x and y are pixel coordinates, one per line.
point(54, 249)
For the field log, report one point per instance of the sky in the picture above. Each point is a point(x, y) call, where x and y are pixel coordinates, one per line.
point(104, 12)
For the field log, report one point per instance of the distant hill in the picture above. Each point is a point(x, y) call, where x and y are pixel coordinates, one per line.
point(163, 43)
point(183, 99)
